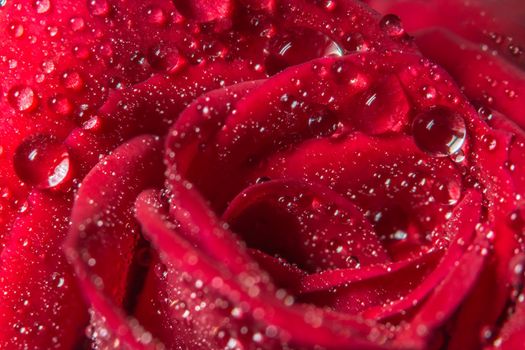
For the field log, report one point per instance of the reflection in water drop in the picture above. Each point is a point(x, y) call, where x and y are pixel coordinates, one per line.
point(42, 161)
point(22, 98)
point(298, 46)
point(439, 132)
point(42, 6)
point(391, 25)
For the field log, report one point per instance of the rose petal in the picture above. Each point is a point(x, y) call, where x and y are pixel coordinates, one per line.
point(312, 227)
point(357, 167)
point(485, 77)
point(103, 231)
point(449, 295)
point(41, 306)
point(288, 320)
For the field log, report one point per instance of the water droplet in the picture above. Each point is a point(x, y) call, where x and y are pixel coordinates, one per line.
point(165, 57)
point(23, 98)
point(16, 29)
point(355, 42)
point(52, 30)
point(458, 157)
point(77, 24)
point(61, 105)
point(72, 80)
point(94, 123)
point(328, 5)
point(429, 92)
point(3, 3)
point(156, 16)
point(439, 132)
point(48, 66)
point(392, 26)
point(42, 161)
point(98, 7)
point(81, 52)
point(322, 123)
point(515, 50)
point(490, 142)
point(42, 6)
point(298, 46)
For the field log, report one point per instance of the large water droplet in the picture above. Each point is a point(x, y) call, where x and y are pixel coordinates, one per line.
point(22, 98)
point(42, 161)
point(298, 46)
point(439, 132)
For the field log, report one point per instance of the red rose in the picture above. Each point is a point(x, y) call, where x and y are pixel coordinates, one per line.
point(262, 174)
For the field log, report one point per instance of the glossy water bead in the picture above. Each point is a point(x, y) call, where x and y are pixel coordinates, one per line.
point(42, 161)
point(439, 132)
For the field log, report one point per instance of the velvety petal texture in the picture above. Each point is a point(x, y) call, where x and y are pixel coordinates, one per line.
point(276, 174)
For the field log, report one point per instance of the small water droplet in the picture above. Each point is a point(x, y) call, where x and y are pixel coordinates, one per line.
point(439, 132)
point(392, 26)
point(98, 7)
point(81, 52)
point(48, 66)
point(16, 29)
point(323, 123)
point(72, 80)
point(94, 123)
point(42, 161)
point(61, 105)
point(52, 30)
point(42, 6)
point(429, 92)
point(515, 50)
point(156, 16)
point(328, 5)
point(22, 98)
point(165, 57)
point(490, 142)
point(356, 42)
point(3, 3)
point(77, 24)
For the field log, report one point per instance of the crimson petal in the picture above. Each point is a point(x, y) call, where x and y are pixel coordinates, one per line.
point(103, 231)
point(289, 320)
point(307, 225)
point(41, 306)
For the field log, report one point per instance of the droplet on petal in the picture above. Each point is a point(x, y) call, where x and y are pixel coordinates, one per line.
point(42, 6)
point(392, 26)
point(16, 29)
point(61, 105)
point(42, 161)
point(439, 132)
point(98, 7)
point(165, 58)
point(298, 46)
point(72, 80)
point(22, 98)
point(77, 24)
point(156, 16)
